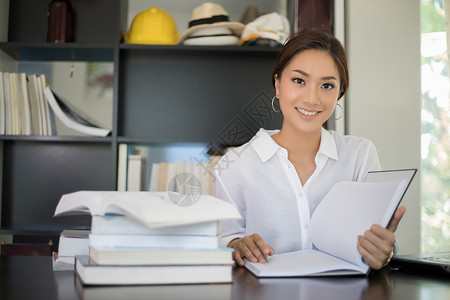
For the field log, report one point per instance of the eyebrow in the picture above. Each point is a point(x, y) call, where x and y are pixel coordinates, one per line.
point(306, 74)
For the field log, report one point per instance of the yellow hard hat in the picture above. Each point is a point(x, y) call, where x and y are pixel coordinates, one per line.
point(153, 26)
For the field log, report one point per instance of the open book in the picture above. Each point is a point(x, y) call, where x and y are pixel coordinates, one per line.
point(346, 211)
point(154, 209)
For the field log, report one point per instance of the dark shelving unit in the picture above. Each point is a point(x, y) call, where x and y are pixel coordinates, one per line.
point(162, 94)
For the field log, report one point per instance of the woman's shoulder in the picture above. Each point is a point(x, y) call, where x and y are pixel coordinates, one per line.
point(245, 155)
point(351, 141)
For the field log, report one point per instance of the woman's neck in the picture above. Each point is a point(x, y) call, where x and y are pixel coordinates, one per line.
point(298, 143)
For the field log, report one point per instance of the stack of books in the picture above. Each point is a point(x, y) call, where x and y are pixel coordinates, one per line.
point(23, 107)
point(146, 238)
point(28, 107)
point(71, 243)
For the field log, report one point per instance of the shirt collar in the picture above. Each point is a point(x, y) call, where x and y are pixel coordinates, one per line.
point(328, 145)
point(266, 147)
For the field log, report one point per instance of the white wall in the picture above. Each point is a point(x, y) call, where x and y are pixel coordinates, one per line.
point(384, 98)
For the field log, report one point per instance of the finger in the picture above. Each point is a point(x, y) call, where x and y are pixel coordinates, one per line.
point(398, 215)
point(372, 261)
point(259, 247)
point(256, 251)
point(248, 253)
point(369, 242)
point(378, 241)
point(238, 257)
point(265, 249)
point(376, 245)
point(386, 238)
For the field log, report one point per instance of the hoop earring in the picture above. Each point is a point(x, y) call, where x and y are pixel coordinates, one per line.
point(335, 119)
point(273, 107)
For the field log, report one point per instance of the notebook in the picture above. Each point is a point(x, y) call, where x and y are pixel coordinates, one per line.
point(392, 175)
point(430, 263)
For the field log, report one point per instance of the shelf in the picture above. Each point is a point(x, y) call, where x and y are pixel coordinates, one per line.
point(56, 139)
point(160, 141)
point(184, 48)
point(59, 51)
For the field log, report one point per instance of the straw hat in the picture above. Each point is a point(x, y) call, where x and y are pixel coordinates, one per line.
point(211, 15)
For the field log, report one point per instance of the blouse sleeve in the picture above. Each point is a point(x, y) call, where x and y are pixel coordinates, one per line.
point(367, 160)
point(228, 189)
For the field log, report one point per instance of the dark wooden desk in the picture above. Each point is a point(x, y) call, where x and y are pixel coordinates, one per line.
point(32, 277)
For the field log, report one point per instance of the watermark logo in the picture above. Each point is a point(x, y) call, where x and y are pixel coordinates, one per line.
point(187, 189)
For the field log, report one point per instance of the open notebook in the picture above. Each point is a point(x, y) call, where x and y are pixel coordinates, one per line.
point(346, 211)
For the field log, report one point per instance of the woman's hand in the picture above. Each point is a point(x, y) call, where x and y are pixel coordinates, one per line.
point(251, 247)
point(376, 244)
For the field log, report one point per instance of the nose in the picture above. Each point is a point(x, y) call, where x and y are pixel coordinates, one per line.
point(311, 95)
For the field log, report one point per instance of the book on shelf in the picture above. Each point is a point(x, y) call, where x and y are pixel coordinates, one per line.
point(104, 255)
point(122, 162)
point(136, 173)
point(131, 169)
point(183, 176)
point(25, 109)
point(70, 118)
point(154, 177)
point(348, 209)
point(91, 273)
point(8, 103)
point(155, 241)
point(126, 225)
point(14, 100)
point(42, 106)
point(48, 119)
point(36, 116)
point(154, 209)
point(162, 178)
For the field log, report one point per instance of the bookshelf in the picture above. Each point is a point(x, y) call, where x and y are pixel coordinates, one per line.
point(162, 94)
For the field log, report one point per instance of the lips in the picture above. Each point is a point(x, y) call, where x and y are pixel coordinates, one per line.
point(306, 112)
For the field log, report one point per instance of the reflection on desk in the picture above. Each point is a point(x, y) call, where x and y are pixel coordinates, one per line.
point(23, 277)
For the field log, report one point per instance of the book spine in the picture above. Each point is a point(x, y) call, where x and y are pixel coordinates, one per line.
point(125, 225)
point(155, 241)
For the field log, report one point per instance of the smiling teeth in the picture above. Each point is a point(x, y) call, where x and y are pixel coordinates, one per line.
point(308, 113)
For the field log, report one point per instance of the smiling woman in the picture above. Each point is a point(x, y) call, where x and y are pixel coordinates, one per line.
point(278, 178)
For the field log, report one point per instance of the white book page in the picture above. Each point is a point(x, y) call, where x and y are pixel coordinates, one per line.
point(348, 210)
point(154, 209)
point(302, 263)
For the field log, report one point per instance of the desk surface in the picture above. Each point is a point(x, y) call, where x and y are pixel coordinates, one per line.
point(25, 277)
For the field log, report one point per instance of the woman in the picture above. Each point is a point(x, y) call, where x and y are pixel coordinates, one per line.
point(278, 178)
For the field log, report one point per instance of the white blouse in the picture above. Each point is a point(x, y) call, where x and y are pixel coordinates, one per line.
point(263, 184)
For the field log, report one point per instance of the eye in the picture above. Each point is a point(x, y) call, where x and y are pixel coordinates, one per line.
point(298, 81)
point(327, 86)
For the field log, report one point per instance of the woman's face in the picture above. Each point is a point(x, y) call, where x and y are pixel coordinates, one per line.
point(308, 90)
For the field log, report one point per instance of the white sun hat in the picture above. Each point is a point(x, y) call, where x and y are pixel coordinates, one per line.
point(211, 15)
point(272, 26)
